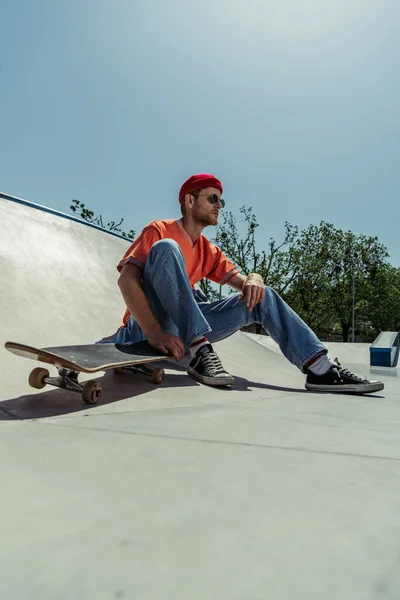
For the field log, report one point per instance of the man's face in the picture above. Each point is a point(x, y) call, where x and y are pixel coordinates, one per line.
point(203, 209)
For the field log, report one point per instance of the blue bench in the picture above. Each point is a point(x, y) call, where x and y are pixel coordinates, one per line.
point(384, 352)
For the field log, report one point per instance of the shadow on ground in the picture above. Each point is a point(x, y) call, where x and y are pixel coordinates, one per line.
point(56, 402)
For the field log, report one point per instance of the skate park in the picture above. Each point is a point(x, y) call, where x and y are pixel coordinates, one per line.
point(180, 490)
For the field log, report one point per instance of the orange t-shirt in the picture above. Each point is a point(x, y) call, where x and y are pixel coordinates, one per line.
point(203, 259)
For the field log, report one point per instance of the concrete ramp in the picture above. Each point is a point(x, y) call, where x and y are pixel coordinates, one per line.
point(58, 283)
point(179, 491)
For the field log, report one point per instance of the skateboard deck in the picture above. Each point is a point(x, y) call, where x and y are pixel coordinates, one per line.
point(89, 358)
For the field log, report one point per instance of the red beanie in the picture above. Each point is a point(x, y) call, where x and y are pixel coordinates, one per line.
point(197, 182)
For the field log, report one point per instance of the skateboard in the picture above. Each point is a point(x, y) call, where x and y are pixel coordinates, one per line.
point(91, 358)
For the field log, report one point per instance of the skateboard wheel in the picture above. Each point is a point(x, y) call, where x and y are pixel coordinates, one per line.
point(158, 375)
point(118, 370)
point(36, 378)
point(91, 392)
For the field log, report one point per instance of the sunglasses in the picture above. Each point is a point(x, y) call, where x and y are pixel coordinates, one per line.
point(214, 199)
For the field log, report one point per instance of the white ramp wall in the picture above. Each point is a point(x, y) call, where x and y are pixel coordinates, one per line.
point(58, 283)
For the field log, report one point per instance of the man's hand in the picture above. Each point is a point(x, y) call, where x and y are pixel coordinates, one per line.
point(253, 290)
point(165, 342)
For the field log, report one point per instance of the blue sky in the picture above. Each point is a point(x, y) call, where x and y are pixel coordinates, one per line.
point(293, 104)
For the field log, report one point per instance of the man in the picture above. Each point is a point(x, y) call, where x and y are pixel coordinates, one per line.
point(157, 278)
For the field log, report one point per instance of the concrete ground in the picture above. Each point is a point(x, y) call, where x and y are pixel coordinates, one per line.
point(181, 491)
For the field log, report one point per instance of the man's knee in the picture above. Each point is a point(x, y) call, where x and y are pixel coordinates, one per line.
point(166, 245)
point(166, 251)
point(270, 292)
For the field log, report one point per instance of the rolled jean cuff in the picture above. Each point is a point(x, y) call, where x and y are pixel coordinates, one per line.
point(197, 335)
point(315, 354)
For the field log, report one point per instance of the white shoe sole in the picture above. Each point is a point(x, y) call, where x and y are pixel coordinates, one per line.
point(359, 388)
point(214, 381)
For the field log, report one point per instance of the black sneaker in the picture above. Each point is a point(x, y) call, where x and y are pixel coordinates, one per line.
point(207, 368)
point(341, 380)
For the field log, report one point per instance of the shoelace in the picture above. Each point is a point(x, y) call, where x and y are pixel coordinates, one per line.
point(212, 362)
point(343, 371)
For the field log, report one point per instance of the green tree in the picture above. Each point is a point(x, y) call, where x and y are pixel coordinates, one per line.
point(88, 215)
point(330, 263)
point(238, 241)
point(315, 271)
point(277, 266)
point(382, 304)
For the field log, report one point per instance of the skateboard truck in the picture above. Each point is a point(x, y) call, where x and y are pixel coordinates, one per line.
point(70, 361)
point(91, 391)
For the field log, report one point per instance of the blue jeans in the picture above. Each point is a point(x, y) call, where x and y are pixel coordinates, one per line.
point(182, 311)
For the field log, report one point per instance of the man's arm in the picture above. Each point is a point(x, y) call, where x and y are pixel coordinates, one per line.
point(130, 284)
point(252, 288)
